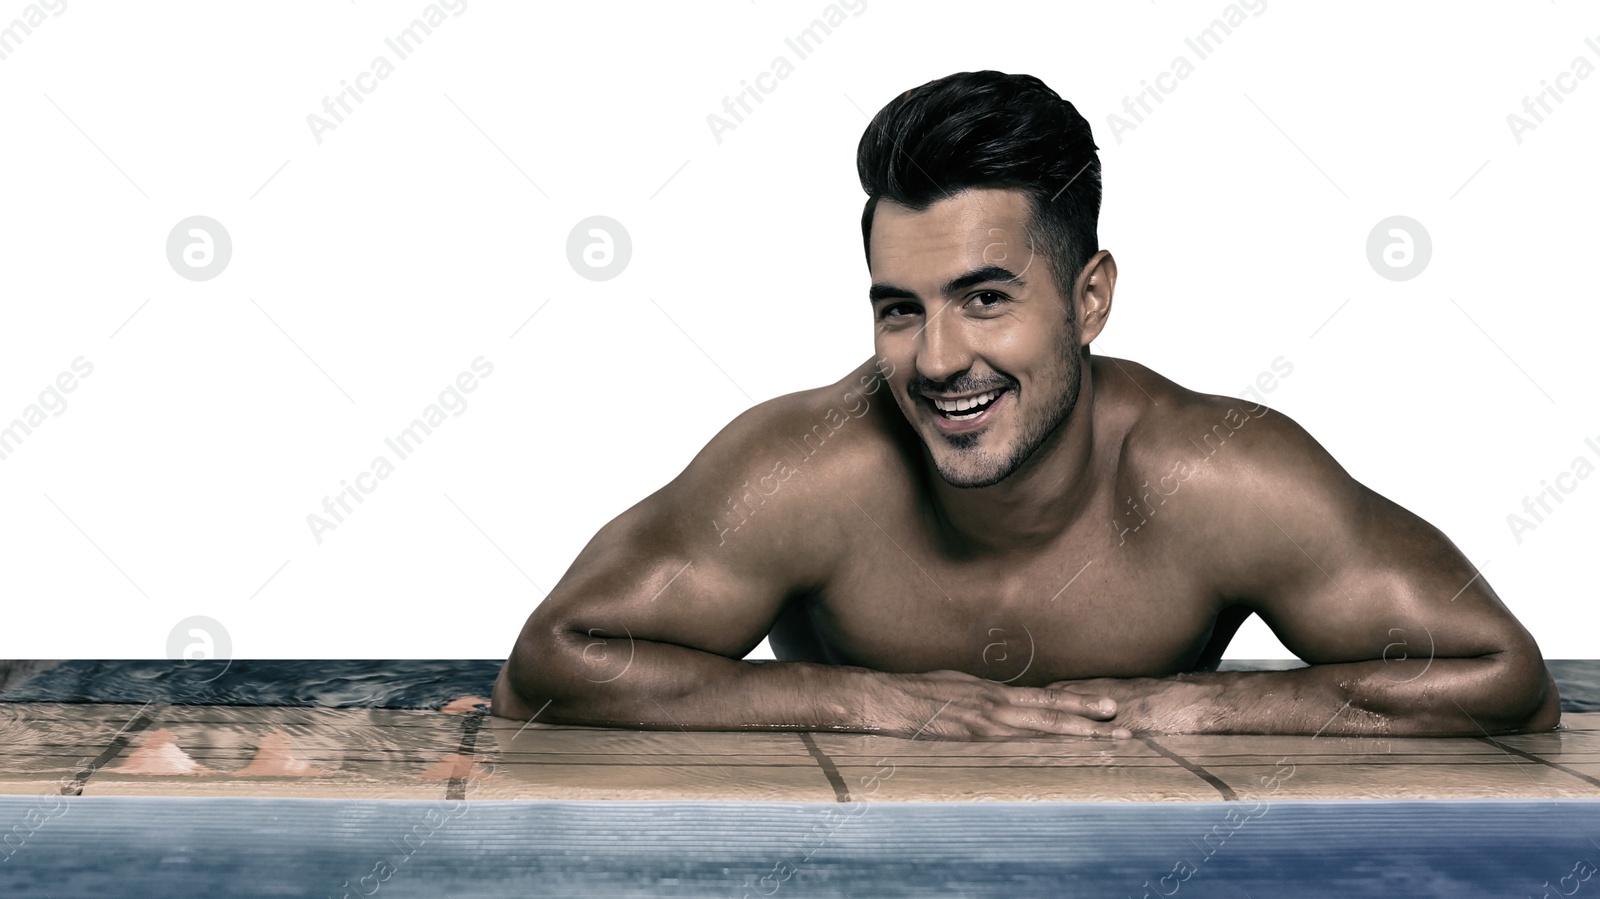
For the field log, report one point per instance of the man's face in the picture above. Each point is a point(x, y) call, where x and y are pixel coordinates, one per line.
point(963, 308)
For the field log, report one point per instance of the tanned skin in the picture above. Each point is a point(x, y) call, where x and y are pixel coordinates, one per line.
point(1039, 600)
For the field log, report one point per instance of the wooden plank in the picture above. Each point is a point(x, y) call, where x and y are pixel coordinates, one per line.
point(372, 754)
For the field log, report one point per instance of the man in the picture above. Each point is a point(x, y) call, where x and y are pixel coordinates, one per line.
point(987, 531)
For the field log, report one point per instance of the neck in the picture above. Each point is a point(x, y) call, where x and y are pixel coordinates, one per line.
point(1037, 503)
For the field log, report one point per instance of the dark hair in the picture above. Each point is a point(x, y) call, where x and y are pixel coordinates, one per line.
point(989, 129)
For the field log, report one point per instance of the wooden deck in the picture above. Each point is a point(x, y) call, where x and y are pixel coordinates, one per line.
point(362, 754)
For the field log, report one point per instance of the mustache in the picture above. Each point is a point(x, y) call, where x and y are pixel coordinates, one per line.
point(962, 384)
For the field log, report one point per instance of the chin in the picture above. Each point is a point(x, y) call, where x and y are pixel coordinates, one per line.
point(985, 471)
point(974, 482)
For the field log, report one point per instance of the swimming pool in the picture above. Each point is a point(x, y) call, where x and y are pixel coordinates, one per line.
point(179, 848)
point(413, 684)
point(313, 778)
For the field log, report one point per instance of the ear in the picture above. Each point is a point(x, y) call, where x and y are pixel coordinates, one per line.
point(1091, 296)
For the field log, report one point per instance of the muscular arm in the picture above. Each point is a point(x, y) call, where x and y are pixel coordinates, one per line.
point(649, 626)
point(1402, 635)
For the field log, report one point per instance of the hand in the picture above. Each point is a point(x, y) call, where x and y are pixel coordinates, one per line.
point(957, 705)
point(1144, 704)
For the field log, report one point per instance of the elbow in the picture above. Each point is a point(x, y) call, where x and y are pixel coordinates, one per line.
point(538, 677)
point(504, 700)
point(517, 682)
point(1546, 713)
point(1528, 693)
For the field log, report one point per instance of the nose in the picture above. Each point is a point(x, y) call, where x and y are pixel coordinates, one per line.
point(943, 352)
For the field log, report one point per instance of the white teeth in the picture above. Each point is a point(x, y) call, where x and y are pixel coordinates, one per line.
point(964, 404)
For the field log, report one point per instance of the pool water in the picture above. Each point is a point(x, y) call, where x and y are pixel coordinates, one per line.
point(178, 848)
point(413, 684)
point(514, 811)
point(338, 683)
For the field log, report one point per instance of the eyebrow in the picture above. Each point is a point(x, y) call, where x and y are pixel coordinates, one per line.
point(954, 286)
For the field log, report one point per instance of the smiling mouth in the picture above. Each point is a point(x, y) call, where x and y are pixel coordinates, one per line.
point(966, 408)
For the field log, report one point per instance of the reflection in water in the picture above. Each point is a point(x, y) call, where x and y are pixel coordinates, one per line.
point(339, 683)
point(437, 684)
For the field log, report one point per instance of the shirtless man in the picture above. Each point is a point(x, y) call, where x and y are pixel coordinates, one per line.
point(1070, 559)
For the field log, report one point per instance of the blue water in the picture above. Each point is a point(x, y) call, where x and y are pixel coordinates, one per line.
point(343, 683)
point(179, 848)
point(426, 684)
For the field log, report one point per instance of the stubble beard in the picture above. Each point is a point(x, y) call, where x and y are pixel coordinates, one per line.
point(981, 468)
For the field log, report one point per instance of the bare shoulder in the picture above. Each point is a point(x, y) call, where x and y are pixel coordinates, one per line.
point(710, 559)
point(1233, 477)
point(1222, 438)
point(772, 478)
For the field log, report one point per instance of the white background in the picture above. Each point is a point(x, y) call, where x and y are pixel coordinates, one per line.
point(371, 268)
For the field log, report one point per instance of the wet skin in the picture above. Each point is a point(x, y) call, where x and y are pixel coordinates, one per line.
point(1099, 535)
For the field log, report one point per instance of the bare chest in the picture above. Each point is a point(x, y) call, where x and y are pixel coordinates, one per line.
point(1094, 607)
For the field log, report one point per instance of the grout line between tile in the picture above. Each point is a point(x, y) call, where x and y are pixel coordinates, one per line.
point(840, 791)
point(1592, 781)
point(140, 720)
point(1217, 782)
point(457, 788)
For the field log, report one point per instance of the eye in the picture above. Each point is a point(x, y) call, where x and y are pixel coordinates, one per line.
point(896, 310)
point(998, 298)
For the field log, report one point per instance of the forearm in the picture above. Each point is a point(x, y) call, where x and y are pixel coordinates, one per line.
point(1412, 697)
point(628, 682)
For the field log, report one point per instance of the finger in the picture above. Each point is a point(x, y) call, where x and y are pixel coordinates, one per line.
point(1088, 705)
point(1042, 719)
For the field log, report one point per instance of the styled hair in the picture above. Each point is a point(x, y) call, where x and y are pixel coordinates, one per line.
point(989, 129)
